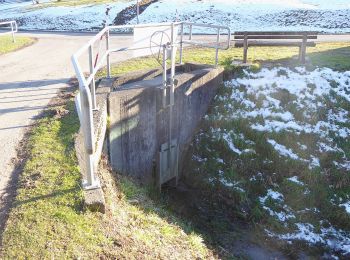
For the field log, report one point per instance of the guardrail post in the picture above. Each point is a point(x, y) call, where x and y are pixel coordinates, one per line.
point(181, 43)
point(108, 59)
point(91, 181)
point(190, 37)
point(217, 47)
point(92, 84)
point(13, 33)
point(165, 83)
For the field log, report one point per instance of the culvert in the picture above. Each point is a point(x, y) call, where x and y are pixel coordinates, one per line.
point(139, 129)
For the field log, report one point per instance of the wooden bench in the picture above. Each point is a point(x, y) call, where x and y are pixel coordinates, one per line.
point(298, 39)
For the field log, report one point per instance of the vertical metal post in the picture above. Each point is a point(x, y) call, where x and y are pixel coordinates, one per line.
point(137, 11)
point(13, 32)
point(108, 58)
point(217, 47)
point(171, 96)
point(165, 83)
point(181, 43)
point(87, 126)
point(92, 84)
point(190, 37)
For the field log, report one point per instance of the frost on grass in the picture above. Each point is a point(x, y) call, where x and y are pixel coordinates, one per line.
point(277, 198)
point(298, 102)
point(281, 135)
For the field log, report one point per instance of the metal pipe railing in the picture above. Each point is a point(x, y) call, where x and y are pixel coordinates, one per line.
point(87, 84)
point(14, 29)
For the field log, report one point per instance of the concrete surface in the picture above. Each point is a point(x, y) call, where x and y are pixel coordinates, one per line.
point(139, 125)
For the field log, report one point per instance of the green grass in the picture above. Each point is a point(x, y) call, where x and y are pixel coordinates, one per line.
point(48, 219)
point(7, 45)
point(332, 55)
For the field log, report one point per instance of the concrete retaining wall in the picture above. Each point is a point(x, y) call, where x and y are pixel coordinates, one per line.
point(139, 123)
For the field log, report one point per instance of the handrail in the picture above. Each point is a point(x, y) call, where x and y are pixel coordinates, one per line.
point(14, 29)
point(217, 46)
point(87, 84)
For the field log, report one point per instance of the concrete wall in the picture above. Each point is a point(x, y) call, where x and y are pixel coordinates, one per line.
point(139, 123)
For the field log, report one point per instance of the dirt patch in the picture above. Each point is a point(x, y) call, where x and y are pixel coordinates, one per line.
point(129, 13)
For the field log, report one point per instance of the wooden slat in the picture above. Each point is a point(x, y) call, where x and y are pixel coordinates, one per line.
point(276, 33)
point(275, 37)
point(271, 43)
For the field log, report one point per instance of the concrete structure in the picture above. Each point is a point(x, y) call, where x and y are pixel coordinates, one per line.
point(139, 123)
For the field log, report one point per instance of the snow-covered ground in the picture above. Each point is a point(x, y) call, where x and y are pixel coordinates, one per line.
point(293, 123)
point(70, 18)
point(321, 15)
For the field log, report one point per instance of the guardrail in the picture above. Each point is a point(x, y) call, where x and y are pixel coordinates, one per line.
point(87, 83)
point(13, 26)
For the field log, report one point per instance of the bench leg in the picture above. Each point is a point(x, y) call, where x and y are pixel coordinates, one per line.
point(245, 49)
point(303, 50)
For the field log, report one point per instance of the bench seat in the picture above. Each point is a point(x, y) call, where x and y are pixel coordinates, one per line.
point(240, 44)
point(274, 38)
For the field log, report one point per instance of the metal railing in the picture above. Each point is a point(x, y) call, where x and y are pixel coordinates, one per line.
point(12, 25)
point(87, 83)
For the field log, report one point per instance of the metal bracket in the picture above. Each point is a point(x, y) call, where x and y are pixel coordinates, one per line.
point(95, 185)
point(168, 169)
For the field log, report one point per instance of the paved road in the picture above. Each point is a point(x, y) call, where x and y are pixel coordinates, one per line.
point(29, 78)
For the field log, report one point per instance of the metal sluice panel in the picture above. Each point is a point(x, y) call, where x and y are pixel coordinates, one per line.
point(168, 170)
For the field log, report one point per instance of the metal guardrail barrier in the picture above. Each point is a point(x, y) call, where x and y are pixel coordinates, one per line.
point(87, 84)
point(12, 25)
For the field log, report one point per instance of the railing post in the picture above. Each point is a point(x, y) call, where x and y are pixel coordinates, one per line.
point(165, 83)
point(13, 32)
point(217, 47)
point(181, 43)
point(190, 37)
point(108, 59)
point(137, 11)
point(92, 84)
point(91, 181)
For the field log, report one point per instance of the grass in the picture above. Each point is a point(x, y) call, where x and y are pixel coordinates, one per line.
point(68, 3)
point(332, 55)
point(7, 45)
point(48, 219)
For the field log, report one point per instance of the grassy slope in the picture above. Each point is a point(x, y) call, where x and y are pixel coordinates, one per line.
point(6, 44)
point(48, 219)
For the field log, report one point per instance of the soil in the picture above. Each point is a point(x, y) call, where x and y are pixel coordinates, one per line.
point(230, 236)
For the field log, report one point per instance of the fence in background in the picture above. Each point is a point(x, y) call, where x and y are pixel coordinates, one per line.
point(87, 96)
point(9, 25)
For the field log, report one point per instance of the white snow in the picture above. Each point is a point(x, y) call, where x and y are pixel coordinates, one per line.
point(320, 15)
point(284, 151)
point(346, 205)
point(308, 91)
point(255, 14)
point(295, 180)
point(282, 215)
point(337, 240)
point(76, 18)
